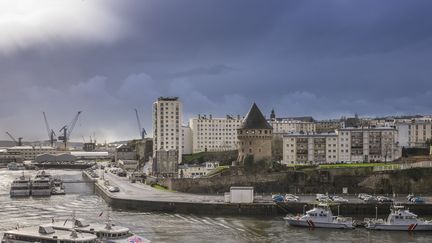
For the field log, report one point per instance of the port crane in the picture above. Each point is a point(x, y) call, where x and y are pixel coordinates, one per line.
point(67, 130)
point(142, 131)
point(17, 142)
point(51, 134)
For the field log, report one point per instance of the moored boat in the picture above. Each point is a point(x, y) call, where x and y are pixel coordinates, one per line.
point(399, 219)
point(107, 232)
point(320, 217)
point(20, 187)
point(47, 234)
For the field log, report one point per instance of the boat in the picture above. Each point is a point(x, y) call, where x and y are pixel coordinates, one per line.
point(399, 219)
point(57, 186)
point(46, 233)
point(20, 187)
point(15, 166)
point(320, 217)
point(107, 232)
point(42, 184)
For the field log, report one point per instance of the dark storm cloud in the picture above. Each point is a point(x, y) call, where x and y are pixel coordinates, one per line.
point(319, 58)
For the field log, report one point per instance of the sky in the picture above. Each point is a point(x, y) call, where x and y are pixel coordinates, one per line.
point(324, 59)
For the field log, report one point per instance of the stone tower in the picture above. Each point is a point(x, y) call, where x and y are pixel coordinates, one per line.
point(254, 136)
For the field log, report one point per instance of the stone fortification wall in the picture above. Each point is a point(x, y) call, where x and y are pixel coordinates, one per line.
point(417, 180)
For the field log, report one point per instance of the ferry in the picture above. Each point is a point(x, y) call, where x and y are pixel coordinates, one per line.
point(42, 184)
point(47, 234)
point(320, 217)
point(105, 232)
point(20, 187)
point(399, 219)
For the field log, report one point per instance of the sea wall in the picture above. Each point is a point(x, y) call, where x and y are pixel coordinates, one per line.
point(201, 208)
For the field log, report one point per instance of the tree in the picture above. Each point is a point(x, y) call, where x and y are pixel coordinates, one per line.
point(277, 148)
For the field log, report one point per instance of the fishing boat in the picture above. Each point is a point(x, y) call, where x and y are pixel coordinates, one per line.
point(399, 219)
point(46, 233)
point(107, 232)
point(20, 187)
point(320, 217)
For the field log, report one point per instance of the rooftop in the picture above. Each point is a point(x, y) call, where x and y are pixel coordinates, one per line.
point(255, 119)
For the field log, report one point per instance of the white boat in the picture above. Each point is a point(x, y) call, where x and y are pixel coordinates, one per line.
point(57, 186)
point(47, 234)
point(20, 187)
point(41, 187)
point(320, 217)
point(107, 232)
point(42, 184)
point(399, 219)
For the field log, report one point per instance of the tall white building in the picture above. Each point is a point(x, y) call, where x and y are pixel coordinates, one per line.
point(186, 140)
point(167, 120)
point(214, 134)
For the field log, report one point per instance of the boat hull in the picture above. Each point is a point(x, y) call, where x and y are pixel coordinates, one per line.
point(20, 193)
point(402, 227)
point(311, 224)
point(41, 193)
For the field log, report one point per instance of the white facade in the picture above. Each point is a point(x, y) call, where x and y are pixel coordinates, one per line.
point(307, 148)
point(186, 140)
point(418, 131)
point(196, 171)
point(167, 120)
point(346, 145)
point(214, 134)
point(30, 152)
point(292, 126)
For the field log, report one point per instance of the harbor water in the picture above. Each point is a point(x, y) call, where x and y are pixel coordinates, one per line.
point(165, 227)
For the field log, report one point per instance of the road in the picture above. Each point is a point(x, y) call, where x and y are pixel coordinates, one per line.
point(141, 191)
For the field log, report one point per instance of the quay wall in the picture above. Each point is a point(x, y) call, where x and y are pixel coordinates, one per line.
point(356, 180)
point(261, 209)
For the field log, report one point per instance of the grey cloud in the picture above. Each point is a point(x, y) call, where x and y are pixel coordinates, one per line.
point(325, 59)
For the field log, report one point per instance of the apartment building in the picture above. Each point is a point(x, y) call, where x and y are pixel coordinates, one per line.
point(326, 126)
point(306, 148)
point(345, 145)
point(291, 126)
point(29, 152)
point(214, 134)
point(415, 133)
point(167, 120)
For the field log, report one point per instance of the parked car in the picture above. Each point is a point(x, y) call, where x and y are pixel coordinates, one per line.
point(291, 198)
point(413, 199)
point(113, 189)
point(278, 198)
point(322, 198)
point(121, 173)
point(383, 199)
point(338, 199)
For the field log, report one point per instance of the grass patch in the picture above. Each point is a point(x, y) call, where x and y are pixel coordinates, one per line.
point(359, 165)
point(218, 169)
point(162, 188)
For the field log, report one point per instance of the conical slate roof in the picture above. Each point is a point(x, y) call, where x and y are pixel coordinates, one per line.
point(255, 119)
